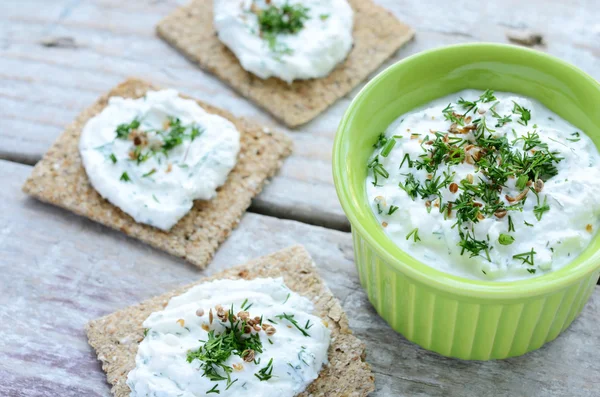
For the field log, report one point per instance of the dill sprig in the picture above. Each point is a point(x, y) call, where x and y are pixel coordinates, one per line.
point(266, 372)
point(526, 257)
point(378, 170)
point(213, 353)
point(124, 129)
point(290, 318)
point(540, 209)
point(125, 177)
point(287, 19)
point(414, 234)
point(524, 113)
point(172, 136)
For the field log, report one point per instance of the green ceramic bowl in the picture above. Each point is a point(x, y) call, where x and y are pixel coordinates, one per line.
point(451, 315)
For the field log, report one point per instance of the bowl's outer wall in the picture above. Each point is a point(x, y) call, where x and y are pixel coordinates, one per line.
point(469, 329)
point(469, 319)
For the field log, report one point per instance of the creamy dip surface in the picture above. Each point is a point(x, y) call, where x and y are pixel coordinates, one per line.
point(486, 185)
point(287, 39)
point(153, 156)
point(192, 347)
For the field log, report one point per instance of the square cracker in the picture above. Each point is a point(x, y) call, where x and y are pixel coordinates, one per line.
point(377, 35)
point(346, 375)
point(60, 179)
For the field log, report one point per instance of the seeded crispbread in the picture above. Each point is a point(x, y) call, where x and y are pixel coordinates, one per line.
point(377, 35)
point(346, 375)
point(60, 179)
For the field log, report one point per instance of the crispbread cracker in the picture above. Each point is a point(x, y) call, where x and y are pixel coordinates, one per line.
point(377, 35)
point(60, 179)
point(346, 375)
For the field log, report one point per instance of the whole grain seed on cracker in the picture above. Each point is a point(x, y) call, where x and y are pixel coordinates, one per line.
point(60, 179)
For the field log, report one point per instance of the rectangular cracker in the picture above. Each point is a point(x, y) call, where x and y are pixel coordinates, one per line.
point(60, 179)
point(346, 375)
point(377, 36)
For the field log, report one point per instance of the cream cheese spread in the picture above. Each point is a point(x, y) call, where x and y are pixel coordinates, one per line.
point(287, 39)
point(153, 156)
point(232, 338)
point(486, 185)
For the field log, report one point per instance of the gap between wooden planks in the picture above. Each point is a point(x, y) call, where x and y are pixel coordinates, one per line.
point(59, 270)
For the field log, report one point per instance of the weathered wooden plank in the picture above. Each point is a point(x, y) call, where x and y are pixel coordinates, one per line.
point(57, 271)
point(42, 89)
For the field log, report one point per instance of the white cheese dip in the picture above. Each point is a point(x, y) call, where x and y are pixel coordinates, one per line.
point(291, 357)
point(321, 39)
point(153, 156)
point(537, 219)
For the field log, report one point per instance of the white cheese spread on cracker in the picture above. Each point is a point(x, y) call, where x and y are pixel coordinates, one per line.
point(231, 338)
point(486, 185)
point(153, 156)
point(288, 39)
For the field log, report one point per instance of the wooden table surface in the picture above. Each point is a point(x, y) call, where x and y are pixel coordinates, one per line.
point(57, 270)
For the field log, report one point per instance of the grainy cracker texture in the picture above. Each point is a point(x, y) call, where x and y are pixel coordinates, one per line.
point(346, 375)
point(377, 36)
point(60, 179)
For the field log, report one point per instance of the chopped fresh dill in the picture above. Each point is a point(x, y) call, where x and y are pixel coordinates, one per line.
point(414, 234)
point(125, 177)
point(266, 372)
point(525, 114)
point(526, 257)
point(274, 21)
point(290, 318)
point(151, 172)
point(511, 225)
point(540, 210)
point(576, 137)
point(219, 347)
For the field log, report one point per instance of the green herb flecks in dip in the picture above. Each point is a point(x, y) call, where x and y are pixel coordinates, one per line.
point(461, 183)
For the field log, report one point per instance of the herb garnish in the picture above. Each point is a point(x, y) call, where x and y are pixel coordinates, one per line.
point(415, 235)
point(539, 210)
point(576, 137)
point(219, 347)
point(378, 170)
point(171, 136)
point(287, 19)
point(125, 177)
point(470, 139)
point(123, 130)
point(526, 257)
point(523, 112)
point(290, 318)
point(149, 173)
point(265, 373)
